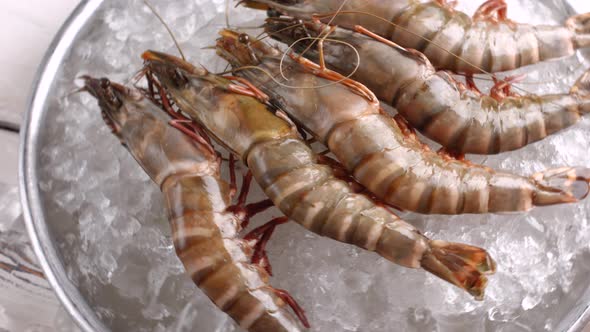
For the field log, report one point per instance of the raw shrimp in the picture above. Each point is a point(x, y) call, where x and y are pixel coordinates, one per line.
point(461, 120)
point(204, 230)
point(449, 38)
point(303, 189)
point(382, 154)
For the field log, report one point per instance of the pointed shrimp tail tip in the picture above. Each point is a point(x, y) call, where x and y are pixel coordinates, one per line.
point(463, 265)
point(580, 25)
point(562, 185)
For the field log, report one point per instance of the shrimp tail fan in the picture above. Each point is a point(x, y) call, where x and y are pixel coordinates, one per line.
point(462, 265)
point(562, 185)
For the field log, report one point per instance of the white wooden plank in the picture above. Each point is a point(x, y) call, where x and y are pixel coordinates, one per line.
point(28, 28)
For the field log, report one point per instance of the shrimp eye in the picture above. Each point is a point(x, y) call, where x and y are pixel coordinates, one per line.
point(109, 94)
point(273, 13)
point(105, 83)
point(244, 38)
point(178, 78)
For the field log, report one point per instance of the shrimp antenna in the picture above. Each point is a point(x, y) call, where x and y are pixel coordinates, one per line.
point(153, 10)
point(270, 75)
point(262, 36)
point(227, 7)
point(321, 38)
point(328, 31)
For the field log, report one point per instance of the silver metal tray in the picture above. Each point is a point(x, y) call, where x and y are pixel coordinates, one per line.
point(53, 247)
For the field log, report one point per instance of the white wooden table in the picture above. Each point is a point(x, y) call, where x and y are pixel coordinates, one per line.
point(26, 300)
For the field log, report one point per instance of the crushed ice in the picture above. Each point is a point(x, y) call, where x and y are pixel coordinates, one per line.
point(109, 220)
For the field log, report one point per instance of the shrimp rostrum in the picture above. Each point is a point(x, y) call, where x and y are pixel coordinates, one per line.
point(383, 154)
point(305, 190)
point(204, 230)
point(462, 120)
point(489, 42)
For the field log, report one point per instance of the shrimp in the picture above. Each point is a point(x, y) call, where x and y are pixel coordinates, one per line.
point(306, 191)
point(204, 230)
point(449, 38)
point(461, 120)
point(383, 154)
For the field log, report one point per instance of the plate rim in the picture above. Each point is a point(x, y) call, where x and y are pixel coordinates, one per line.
point(30, 197)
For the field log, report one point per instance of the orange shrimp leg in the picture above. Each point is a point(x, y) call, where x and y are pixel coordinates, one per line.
point(321, 48)
point(182, 123)
point(245, 212)
point(248, 90)
point(502, 88)
point(403, 124)
point(471, 83)
point(362, 30)
point(240, 207)
point(452, 155)
point(495, 11)
point(155, 87)
point(336, 77)
point(150, 82)
point(185, 126)
point(233, 187)
point(369, 33)
point(261, 235)
point(285, 296)
point(165, 102)
point(251, 209)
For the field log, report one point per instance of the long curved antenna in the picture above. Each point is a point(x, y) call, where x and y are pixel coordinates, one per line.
point(227, 7)
point(270, 76)
point(153, 10)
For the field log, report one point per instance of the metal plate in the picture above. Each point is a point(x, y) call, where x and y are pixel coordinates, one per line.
point(30, 198)
point(44, 237)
